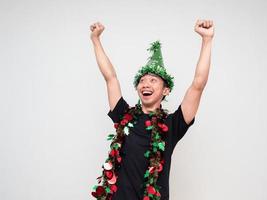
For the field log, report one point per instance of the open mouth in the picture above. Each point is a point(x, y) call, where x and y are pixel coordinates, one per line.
point(147, 93)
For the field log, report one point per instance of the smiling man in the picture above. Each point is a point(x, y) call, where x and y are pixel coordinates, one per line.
point(139, 160)
point(152, 90)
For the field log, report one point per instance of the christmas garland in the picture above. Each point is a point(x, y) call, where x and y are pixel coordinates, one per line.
point(107, 181)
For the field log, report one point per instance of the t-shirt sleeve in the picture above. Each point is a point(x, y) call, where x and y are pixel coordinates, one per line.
point(118, 110)
point(179, 126)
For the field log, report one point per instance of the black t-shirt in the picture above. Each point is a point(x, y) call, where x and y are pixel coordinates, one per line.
point(134, 163)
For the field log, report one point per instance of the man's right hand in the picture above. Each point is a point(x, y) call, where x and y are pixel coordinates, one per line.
point(96, 28)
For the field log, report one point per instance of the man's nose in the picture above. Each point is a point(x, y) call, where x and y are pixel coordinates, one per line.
point(145, 84)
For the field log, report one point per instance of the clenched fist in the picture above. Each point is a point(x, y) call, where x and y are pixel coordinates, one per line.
point(96, 28)
point(205, 28)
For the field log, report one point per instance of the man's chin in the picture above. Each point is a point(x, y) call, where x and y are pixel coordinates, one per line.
point(148, 102)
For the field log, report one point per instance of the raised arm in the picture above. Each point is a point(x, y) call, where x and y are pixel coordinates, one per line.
point(193, 94)
point(105, 66)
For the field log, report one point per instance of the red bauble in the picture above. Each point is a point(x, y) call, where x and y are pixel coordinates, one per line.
point(124, 122)
point(113, 152)
point(146, 198)
point(165, 127)
point(109, 174)
point(116, 125)
point(128, 117)
point(148, 123)
point(94, 194)
point(113, 188)
point(119, 159)
point(160, 167)
point(151, 170)
point(160, 125)
point(112, 180)
point(151, 190)
point(158, 194)
point(99, 191)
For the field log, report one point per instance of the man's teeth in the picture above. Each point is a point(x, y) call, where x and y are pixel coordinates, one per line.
point(146, 92)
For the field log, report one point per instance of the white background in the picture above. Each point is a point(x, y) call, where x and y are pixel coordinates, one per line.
point(53, 99)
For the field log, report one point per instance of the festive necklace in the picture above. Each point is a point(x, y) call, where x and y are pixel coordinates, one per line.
point(107, 181)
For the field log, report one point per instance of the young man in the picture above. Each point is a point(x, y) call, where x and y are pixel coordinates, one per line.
point(139, 160)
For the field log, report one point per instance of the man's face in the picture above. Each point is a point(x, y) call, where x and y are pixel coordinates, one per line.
point(151, 89)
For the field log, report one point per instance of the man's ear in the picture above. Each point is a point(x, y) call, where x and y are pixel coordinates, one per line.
point(166, 91)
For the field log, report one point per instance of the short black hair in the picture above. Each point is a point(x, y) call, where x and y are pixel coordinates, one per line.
point(164, 85)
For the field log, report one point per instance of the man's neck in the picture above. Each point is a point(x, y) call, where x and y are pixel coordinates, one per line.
point(148, 109)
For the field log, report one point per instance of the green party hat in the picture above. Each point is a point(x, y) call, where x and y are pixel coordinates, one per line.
point(155, 66)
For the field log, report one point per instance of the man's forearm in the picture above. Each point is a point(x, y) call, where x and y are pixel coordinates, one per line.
point(203, 65)
point(103, 61)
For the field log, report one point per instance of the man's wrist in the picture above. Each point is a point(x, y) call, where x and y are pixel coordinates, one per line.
point(207, 39)
point(95, 39)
